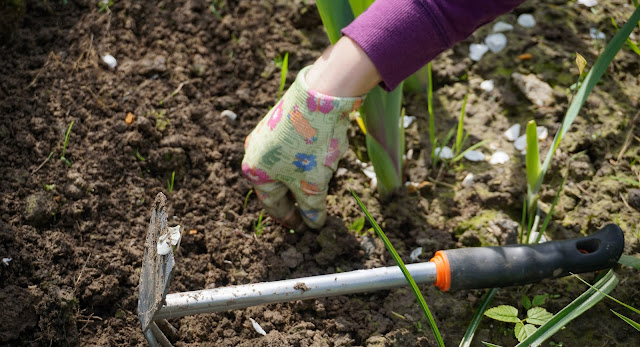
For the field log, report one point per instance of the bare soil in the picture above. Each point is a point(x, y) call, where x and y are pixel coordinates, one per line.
point(75, 233)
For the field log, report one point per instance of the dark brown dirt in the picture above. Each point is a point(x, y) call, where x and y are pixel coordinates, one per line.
point(75, 233)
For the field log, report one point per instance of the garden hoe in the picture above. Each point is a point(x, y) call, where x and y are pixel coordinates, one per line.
point(453, 269)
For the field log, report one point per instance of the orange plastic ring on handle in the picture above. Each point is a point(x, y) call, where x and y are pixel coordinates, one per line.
point(443, 271)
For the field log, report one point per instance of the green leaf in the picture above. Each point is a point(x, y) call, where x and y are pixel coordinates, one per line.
point(539, 300)
point(538, 316)
point(357, 225)
point(588, 84)
point(523, 331)
point(631, 261)
point(458, 145)
point(533, 157)
point(359, 6)
point(573, 310)
point(608, 296)
point(403, 268)
point(628, 320)
point(503, 313)
point(335, 15)
point(490, 344)
point(526, 303)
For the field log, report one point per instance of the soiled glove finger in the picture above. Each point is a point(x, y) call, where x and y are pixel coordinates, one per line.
point(296, 148)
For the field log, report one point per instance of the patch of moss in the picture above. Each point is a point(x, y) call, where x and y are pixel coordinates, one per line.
point(478, 221)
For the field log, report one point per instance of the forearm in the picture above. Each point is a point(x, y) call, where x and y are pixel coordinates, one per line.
point(401, 36)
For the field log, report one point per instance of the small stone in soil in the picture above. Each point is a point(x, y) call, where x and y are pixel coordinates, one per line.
point(476, 51)
point(588, 3)
point(538, 92)
point(229, 114)
point(474, 155)
point(415, 254)
point(502, 26)
point(110, 61)
point(487, 86)
point(40, 207)
point(499, 157)
point(496, 42)
point(513, 132)
point(257, 327)
point(444, 152)
point(634, 198)
point(468, 180)
point(526, 21)
point(521, 143)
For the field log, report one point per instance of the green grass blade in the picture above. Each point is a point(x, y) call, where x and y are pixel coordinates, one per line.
point(405, 272)
point(630, 261)
point(628, 320)
point(283, 73)
point(588, 84)
point(626, 180)
point(608, 296)
point(630, 43)
point(547, 218)
point(523, 224)
point(432, 127)
point(335, 15)
point(461, 155)
point(477, 317)
point(358, 6)
point(460, 132)
point(66, 140)
point(533, 157)
point(573, 310)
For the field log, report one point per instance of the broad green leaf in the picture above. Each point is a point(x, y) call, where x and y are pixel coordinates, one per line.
point(581, 62)
point(526, 303)
point(403, 268)
point(523, 331)
point(538, 316)
point(359, 6)
point(335, 15)
point(628, 320)
point(631, 261)
point(503, 313)
point(539, 300)
point(573, 310)
point(594, 75)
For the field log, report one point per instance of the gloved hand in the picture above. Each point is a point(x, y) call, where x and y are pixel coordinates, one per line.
point(294, 150)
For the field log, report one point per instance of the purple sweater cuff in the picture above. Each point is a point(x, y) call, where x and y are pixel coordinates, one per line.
point(401, 36)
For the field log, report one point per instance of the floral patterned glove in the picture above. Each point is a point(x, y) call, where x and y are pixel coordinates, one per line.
point(294, 150)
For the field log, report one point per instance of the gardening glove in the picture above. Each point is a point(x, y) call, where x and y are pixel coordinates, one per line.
point(294, 150)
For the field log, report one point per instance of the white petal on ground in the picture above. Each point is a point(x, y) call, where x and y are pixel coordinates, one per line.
point(229, 114)
point(477, 50)
point(597, 34)
point(415, 254)
point(468, 180)
point(487, 86)
point(257, 327)
point(409, 155)
point(499, 157)
point(521, 142)
point(444, 152)
point(526, 20)
point(588, 3)
point(496, 42)
point(474, 155)
point(407, 120)
point(110, 61)
point(369, 171)
point(542, 132)
point(513, 132)
point(5, 261)
point(502, 26)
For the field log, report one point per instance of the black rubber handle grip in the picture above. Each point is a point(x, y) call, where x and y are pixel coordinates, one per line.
point(489, 267)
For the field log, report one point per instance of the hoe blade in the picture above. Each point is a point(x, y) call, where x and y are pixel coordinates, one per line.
point(156, 269)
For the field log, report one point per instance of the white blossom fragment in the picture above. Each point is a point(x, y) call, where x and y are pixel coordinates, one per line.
point(415, 254)
point(171, 238)
point(513, 132)
point(110, 61)
point(444, 152)
point(499, 157)
point(477, 50)
point(229, 114)
point(502, 26)
point(542, 132)
point(5, 261)
point(597, 34)
point(496, 42)
point(588, 3)
point(521, 142)
point(487, 86)
point(526, 21)
point(474, 155)
point(370, 172)
point(468, 180)
point(257, 327)
point(407, 120)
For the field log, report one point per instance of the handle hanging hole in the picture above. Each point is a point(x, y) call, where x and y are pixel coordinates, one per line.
point(588, 246)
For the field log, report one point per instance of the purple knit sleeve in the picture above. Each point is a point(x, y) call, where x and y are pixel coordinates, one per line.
point(401, 36)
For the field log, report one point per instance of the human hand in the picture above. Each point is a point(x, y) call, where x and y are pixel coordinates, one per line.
point(294, 150)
